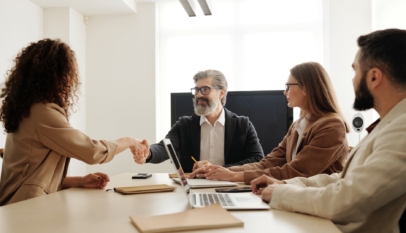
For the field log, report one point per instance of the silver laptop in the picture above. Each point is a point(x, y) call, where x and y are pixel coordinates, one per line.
point(230, 201)
point(203, 183)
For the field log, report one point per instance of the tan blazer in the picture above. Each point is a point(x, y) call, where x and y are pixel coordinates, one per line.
point(370, 194)
point(322, 149)
point(36, 156)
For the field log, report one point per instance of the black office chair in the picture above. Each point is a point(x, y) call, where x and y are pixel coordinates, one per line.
point(402, 222)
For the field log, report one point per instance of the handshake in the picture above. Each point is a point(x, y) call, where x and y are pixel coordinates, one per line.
point(140, 150)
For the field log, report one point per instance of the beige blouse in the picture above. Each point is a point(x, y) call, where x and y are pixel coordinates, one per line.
point(36, 156)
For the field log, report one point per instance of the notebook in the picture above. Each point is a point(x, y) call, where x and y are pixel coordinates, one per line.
point(156, 188)
point(211, 217)
point(230, 201)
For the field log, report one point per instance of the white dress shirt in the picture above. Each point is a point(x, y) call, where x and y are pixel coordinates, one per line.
point(212, 140)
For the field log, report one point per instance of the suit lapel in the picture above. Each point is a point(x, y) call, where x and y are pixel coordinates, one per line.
point(228, 132)
point(306, 130)
point(195, 134)
point(351, 156)
point(347, 163)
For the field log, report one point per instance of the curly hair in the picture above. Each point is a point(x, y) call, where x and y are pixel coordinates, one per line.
point(44, 72)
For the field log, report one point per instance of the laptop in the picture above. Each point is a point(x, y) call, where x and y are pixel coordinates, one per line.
point(230, 201)
point(203, 183)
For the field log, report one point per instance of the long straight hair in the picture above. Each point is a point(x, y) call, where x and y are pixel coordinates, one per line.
point(320, 98)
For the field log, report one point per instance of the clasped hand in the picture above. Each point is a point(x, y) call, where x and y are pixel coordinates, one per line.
point(140, 151)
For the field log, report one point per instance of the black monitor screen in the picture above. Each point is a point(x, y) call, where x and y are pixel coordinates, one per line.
point(267, 110)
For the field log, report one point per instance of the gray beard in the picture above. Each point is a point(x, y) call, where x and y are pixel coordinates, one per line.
point(204, 110)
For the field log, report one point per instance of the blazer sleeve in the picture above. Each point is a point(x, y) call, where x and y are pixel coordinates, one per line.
point(367, 187)
point(276, 158)
point(158, 151)
point(55, 132)
point(252, 150)
point(325, 145)
point(319, 180)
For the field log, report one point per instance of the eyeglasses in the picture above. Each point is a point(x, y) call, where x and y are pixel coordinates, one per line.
point(204, 90)
point(291, 84)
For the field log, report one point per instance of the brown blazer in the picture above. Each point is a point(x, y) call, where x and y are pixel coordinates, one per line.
point(36, 156)
point(322, 149)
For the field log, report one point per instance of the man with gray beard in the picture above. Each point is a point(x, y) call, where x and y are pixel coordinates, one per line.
point(213, 135)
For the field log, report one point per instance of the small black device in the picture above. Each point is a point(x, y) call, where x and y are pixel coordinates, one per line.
point(142, 176)
point(234, 190)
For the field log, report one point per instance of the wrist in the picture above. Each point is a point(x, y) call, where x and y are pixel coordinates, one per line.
point(238, 177)
point(73, 182)
point(149, 154)
point(130, 141)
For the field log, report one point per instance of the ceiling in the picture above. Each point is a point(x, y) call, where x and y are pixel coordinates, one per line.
point(96, 7)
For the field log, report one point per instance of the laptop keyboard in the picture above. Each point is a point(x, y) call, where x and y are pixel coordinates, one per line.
point(207, 199)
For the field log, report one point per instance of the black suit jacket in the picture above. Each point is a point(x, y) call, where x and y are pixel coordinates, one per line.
point(241, 143)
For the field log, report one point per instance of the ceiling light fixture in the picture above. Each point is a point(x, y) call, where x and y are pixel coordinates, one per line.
point(189, 6)
point(206, 6)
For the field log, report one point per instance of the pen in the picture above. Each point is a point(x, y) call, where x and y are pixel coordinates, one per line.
point(193, 159)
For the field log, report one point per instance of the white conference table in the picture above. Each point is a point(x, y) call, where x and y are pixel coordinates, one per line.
point(95, 210)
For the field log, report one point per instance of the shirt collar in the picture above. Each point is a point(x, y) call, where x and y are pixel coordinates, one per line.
point(397, 110)
point(372, 126)
point(221, 119)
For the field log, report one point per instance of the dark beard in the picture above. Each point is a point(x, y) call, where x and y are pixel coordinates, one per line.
point(363, 98)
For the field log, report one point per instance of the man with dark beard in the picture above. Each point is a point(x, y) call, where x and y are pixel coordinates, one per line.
point(369, 195)
point(213, 135)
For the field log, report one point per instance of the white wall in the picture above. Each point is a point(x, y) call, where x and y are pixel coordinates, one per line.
point(77, 41)
point(56, 23)
point(120, 70)
point(20, 24)
point(388, 14)
point(345, 21)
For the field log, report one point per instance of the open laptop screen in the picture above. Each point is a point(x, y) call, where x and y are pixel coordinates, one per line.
point(198, 200)
point(175, 161)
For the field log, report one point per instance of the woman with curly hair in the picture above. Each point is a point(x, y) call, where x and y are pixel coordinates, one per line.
point(38, 95)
